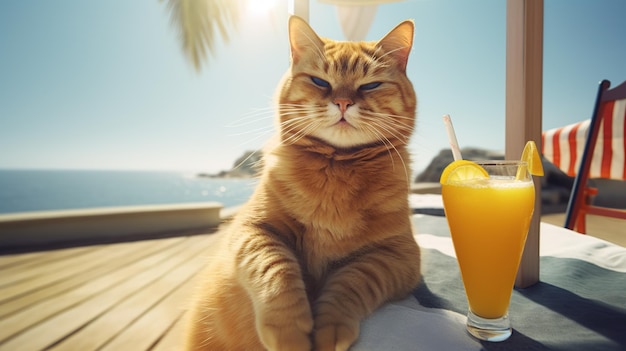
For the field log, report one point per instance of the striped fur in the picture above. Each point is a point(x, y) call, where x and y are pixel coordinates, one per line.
point(326, 237)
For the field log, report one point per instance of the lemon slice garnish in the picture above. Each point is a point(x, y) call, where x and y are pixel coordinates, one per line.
point(532, 157)
point(462, 170)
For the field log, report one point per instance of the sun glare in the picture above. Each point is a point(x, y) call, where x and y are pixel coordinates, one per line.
point(261, 7)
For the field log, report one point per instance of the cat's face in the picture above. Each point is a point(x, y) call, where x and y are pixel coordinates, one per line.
point(348, 94)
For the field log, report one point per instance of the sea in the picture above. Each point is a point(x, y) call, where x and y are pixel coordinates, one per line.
point(44, 190)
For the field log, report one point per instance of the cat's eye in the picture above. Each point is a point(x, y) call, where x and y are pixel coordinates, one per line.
point(320, 82)
point(370, 86)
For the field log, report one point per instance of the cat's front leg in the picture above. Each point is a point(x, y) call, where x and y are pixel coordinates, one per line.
point(271, 274)
point(285, 327)
point(334, 332)
point(384, 272)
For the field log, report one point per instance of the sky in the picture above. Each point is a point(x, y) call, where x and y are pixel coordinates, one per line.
point(103, 84)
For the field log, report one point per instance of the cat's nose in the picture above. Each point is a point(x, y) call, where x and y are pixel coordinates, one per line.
point(343, 104)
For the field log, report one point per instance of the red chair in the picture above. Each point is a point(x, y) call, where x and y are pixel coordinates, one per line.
point(601, 145)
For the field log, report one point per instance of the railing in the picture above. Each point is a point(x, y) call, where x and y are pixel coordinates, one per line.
point(52, 229)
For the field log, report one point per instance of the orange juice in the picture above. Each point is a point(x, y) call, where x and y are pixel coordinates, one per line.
point(489, 220)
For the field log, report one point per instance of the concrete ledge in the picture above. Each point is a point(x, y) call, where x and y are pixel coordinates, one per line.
point(50, 229)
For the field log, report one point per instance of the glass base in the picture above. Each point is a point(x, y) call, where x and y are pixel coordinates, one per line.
point(498, 329)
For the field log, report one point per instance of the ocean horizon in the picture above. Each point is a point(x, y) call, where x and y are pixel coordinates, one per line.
point(49, 190)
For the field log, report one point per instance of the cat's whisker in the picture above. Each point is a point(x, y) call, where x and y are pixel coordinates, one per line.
point(307, 130)
point(377, 64)
point(301, 133)
point(259, 109)
point(253, 153)
point(390, 128)
point(395, 133)
point(264, 129)
point(261, 135)
point(297, 106)
point(381, 114)
point(319, 52)
point(302, 114)
point(242, 123)
point(376, 61)
point(296, 125)
point(393, 51)
point(293, 138)
point(301, 109)
point(390, 145)
point(257, 133)
point(305, 112)
point(390, 124)
point(382, 139)
point(284, 104)
point(253, 117)
point(296, 121)
point(400, 132)
point(295, 133)
point(299, 113)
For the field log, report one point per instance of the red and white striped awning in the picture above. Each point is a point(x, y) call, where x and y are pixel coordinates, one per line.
point(564, 146)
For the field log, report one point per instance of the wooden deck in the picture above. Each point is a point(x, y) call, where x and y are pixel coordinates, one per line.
point(124, 296)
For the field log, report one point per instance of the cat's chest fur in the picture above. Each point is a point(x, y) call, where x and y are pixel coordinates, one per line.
point(336, 198)
point(330, 190)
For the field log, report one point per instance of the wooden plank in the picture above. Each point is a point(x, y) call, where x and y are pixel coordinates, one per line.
point(103, 265)
point(34, 259)
point(141, 303)
point(68, 321)
point(38, 257)
point(10, 260)
point(43, 311)
point(173, 337)
point(150, 327)
point(22, 280)
point(524, 70)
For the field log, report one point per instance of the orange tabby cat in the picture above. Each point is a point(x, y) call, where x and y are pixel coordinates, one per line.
point(326, 237)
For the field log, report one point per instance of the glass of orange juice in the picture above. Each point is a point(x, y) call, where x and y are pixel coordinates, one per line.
point(488, 205)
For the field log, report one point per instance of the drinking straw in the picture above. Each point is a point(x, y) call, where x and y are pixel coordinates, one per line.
point(454, 145)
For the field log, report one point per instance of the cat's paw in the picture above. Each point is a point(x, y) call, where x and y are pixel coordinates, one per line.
point(287, 335)
point(336, 336)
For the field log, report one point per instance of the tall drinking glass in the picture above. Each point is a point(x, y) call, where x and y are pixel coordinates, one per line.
point(489, 220)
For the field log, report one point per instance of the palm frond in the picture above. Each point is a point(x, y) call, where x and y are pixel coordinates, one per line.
point(201, 22)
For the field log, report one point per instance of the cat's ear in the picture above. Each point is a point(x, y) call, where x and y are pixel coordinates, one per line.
point(398, 42)
point(303, 39)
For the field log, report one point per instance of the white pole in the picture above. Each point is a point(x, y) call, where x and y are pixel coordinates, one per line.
point(299, 8)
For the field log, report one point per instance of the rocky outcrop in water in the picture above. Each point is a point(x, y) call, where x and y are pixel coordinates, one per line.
point(246, 166)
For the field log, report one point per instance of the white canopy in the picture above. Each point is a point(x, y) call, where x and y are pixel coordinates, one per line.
point(356, 16)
